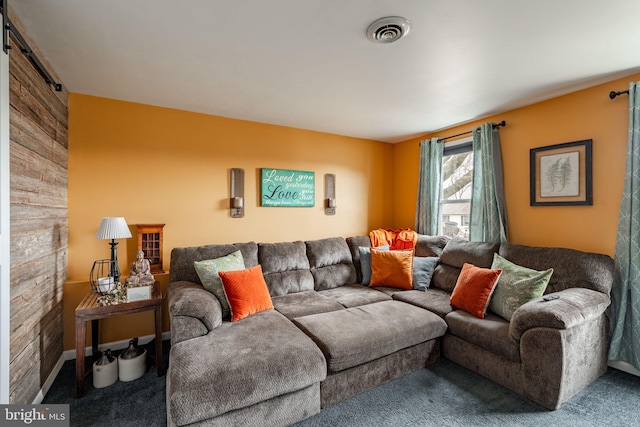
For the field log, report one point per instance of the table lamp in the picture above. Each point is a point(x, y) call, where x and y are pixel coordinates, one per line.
point(113, 228)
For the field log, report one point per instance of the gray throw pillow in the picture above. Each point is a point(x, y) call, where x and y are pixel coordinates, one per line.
point(365, 262)
point(423, 268)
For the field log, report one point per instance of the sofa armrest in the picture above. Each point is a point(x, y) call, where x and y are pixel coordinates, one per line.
point(573, 306)
point(193, 310)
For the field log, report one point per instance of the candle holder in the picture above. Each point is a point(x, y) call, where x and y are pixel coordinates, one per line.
point(101, 277)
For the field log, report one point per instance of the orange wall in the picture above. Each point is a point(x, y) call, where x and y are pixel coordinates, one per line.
point(158, 165)
point(170, 166)
point(587, 114)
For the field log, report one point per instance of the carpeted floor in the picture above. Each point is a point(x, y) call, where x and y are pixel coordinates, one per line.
point(443, 394)
point(135, 403)
point(446, 394)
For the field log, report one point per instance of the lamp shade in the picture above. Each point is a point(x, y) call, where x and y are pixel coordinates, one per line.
point(113, 228)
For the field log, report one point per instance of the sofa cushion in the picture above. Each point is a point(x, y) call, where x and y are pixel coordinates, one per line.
point(246, 292)
point(474, 288)
point(365, 263)
point(490, 333)
point(259, 358)
point(354, 295)
point(388, 290)
point(304, 303)
point(285, 267)
point(571, 268)
point(455, 254)
point(392, 268)
point(428, 246)
point(423, 268)
point(355, 243)
point(434, 300)
point(517, 285)
point(208, 273)
point(182, 259)
point(361, 334)
point(331, 263)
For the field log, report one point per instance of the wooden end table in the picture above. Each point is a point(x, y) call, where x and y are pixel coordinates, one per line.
point(89, 309)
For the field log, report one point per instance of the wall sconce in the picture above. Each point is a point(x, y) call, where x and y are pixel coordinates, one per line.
point(330, 194)
point(236, 196)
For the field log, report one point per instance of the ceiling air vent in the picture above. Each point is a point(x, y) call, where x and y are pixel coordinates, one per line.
point(388, 30)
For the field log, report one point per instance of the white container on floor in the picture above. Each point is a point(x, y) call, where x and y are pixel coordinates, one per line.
point(132, 369)
point(105, 374)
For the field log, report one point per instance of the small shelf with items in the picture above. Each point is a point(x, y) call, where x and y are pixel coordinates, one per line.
point(150, 242)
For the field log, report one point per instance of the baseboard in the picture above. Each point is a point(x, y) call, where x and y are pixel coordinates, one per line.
point(49, 381)
point(624, 366)
point(71, 355)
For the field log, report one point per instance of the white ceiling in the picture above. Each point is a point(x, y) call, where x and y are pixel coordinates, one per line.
point(308, 63)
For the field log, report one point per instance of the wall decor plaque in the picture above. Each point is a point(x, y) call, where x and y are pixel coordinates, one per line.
point(281, 187)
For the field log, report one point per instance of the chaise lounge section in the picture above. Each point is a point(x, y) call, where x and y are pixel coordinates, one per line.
point(331, 337)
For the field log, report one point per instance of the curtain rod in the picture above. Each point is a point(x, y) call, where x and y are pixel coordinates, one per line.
point(613, 94)
point(495, 125)
point(25, 49)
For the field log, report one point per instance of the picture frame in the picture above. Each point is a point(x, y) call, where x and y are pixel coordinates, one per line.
point(561, 174)
point(287, 188)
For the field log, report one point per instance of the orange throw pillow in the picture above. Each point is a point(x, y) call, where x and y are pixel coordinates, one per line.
point(246, 292)
point(392, 268)
point(474, 288)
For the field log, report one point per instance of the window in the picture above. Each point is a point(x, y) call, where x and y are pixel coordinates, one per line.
point(455, 201)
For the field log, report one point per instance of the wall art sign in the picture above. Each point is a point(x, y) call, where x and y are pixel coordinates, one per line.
point(560, 175)
point(281, 187)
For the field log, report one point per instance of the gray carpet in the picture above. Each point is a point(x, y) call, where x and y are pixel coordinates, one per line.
point(446, 394)
point(134, 403)
point(443, 394)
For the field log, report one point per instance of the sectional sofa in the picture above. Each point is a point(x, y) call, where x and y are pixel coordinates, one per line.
point(330, 337)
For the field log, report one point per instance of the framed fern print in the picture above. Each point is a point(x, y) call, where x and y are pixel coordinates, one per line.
point(560, 175)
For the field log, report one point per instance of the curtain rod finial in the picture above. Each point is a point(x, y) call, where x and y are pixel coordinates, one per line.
point(614, 94)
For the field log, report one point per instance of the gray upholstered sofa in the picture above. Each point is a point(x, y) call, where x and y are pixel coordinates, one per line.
point(330, 338)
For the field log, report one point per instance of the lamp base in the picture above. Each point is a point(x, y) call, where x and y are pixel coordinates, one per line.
point(115, 269)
